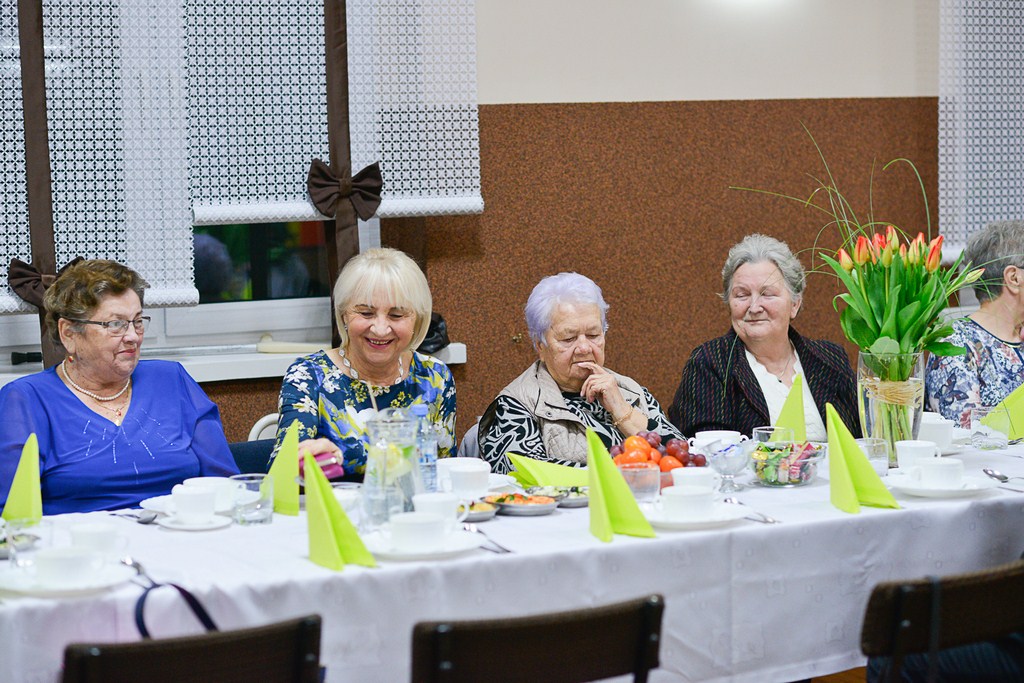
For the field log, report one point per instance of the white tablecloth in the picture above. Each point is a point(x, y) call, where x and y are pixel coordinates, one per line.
point(749, 602)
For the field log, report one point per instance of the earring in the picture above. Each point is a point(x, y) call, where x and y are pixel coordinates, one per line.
point(71, 359)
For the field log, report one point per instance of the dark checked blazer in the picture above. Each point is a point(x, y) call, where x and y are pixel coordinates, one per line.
point(719, 389)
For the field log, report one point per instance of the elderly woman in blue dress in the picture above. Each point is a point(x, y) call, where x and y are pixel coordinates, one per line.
point(993, 365)
point(112, 430)
point(382, 305)
point(545, 412)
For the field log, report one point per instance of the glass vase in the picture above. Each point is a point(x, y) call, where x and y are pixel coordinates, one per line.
point(890, 396)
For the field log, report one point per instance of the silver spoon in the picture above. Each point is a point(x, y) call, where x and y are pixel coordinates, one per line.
point(142, 517)
point(763, 518)
point(996, 474)
point(130, 561)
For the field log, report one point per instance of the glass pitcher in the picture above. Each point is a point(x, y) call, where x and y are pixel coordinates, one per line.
point(392, 467)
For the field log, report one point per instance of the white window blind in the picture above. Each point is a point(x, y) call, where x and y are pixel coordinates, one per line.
point(981, 117)
point(114, 86)
point(257, 101)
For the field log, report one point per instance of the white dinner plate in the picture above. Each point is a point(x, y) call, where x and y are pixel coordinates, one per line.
point(954, 449)
point(24, 583)
point(721, 515)
point(165, 504)
point(456, 544)
point(501, 482)
point(218, 522)
point(972, 486)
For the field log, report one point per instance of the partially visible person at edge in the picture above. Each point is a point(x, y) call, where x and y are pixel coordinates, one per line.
point(993, 365)
point(741, 380)
point(382, 307)
point(545, 412)
point(112, 430)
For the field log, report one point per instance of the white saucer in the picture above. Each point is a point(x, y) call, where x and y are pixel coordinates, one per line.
point(26, 584)
point(165, 505)
point(721, 515)
point(218, 522)
point(972, 486)
point(953, 449)
point(456, 544)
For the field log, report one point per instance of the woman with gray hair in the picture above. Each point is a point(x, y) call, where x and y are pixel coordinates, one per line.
point(993, 365)
point(742, 379)
point(545, 412)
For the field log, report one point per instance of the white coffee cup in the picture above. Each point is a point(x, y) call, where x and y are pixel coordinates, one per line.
point(908, 452)
point(66, 564)
point(726, 437)
point(696, 476)
point(469, 480)
point(194, 504)
point(444, 482)
point(683, 503)
point(417, 531)
point(445, 505)
point(936, 428)
point(225, 490)
point(938, 473)
point(100, 537)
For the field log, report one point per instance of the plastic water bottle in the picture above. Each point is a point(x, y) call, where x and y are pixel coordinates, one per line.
point(426, 440)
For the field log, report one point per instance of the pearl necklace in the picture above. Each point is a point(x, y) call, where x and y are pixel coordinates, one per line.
point(374, 389)
point(97, 396)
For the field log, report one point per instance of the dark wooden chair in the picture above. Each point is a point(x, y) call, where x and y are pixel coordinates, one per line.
point(563, 647)
point(926, 615)
point(252, 457)
point(286, 652)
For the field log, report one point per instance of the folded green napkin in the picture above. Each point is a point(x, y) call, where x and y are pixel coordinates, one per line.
point(529, 472)
point(852, 480)
point(333, 540)
point(613, 509)
point(285, 473)
point(1011, 418)
point(25, 500)
point(792, 414)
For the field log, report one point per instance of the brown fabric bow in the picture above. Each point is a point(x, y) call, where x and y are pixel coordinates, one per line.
point(362, 190)
point(29, 284)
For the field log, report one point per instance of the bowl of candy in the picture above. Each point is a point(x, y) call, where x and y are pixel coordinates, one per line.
point(786, 464)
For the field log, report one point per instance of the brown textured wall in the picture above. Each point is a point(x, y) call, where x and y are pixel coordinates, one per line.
point(636, 196)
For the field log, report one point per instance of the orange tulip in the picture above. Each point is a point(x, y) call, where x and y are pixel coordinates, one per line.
point(931, 264)
point(891, 237)
point(862, 252)
point(845, 261)
point(903, 252)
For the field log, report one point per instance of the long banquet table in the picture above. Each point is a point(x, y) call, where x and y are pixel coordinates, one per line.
point(747, 602)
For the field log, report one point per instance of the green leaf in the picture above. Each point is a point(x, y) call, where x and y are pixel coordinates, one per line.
point(884, 346)
point(856, 328)
point(941, 348)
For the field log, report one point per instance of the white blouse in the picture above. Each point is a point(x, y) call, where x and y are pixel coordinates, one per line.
point(775, 394)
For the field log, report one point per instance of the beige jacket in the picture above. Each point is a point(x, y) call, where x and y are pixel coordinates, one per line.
point(564, 434)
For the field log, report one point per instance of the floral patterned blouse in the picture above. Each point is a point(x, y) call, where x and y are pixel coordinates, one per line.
point(328, 403)
point(985, 375)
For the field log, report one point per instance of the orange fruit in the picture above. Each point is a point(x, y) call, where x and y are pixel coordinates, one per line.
point(632, 455)
point(636, 443)
point(655, 455)
point(669, 462)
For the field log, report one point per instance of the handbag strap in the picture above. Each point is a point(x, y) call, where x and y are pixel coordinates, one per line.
point(192, 601)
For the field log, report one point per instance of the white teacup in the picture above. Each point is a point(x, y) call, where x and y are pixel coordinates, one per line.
point(226, 490)
point(446, 505)
point(66, 564)
point(938, 473)
point(469, 480)
point(936, 428)
point(686, 502)
point(908, 452)
point(194, 504)
point(99, 537)
point(444, 482)
point(696, 476)
point(726, 437)
point(417, 531)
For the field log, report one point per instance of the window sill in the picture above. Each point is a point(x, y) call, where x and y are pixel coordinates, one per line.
point(218, 366)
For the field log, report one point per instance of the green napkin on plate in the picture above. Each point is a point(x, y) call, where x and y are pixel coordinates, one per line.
point(613, 509)
point(25, 500)
point(1011, 418)
point(792, 413)
point(285, 473)
point(333, 540)
point(530, 472)
point(852, 480)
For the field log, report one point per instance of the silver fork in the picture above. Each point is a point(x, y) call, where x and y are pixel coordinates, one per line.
point(472, 528)
point(761, 517)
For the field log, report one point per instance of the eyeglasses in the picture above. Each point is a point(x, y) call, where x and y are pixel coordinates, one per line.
point(117, 328)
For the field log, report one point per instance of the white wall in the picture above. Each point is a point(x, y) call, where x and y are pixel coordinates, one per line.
point(650, 50)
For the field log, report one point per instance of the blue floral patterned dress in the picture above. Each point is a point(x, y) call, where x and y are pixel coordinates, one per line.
point(329, 404)
point(984, 376)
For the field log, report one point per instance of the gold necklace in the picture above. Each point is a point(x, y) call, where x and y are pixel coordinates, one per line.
point(118, 415)
point(792, 353)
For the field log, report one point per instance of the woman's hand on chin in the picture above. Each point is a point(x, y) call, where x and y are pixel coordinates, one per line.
point(601, 386)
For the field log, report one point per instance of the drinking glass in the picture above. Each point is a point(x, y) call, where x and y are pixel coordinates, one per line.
point(643, 479)
point(773, 436)
point(729, 462)
point(26, 537)
point(990, 427)
point(877, 452)
point(254, 499)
